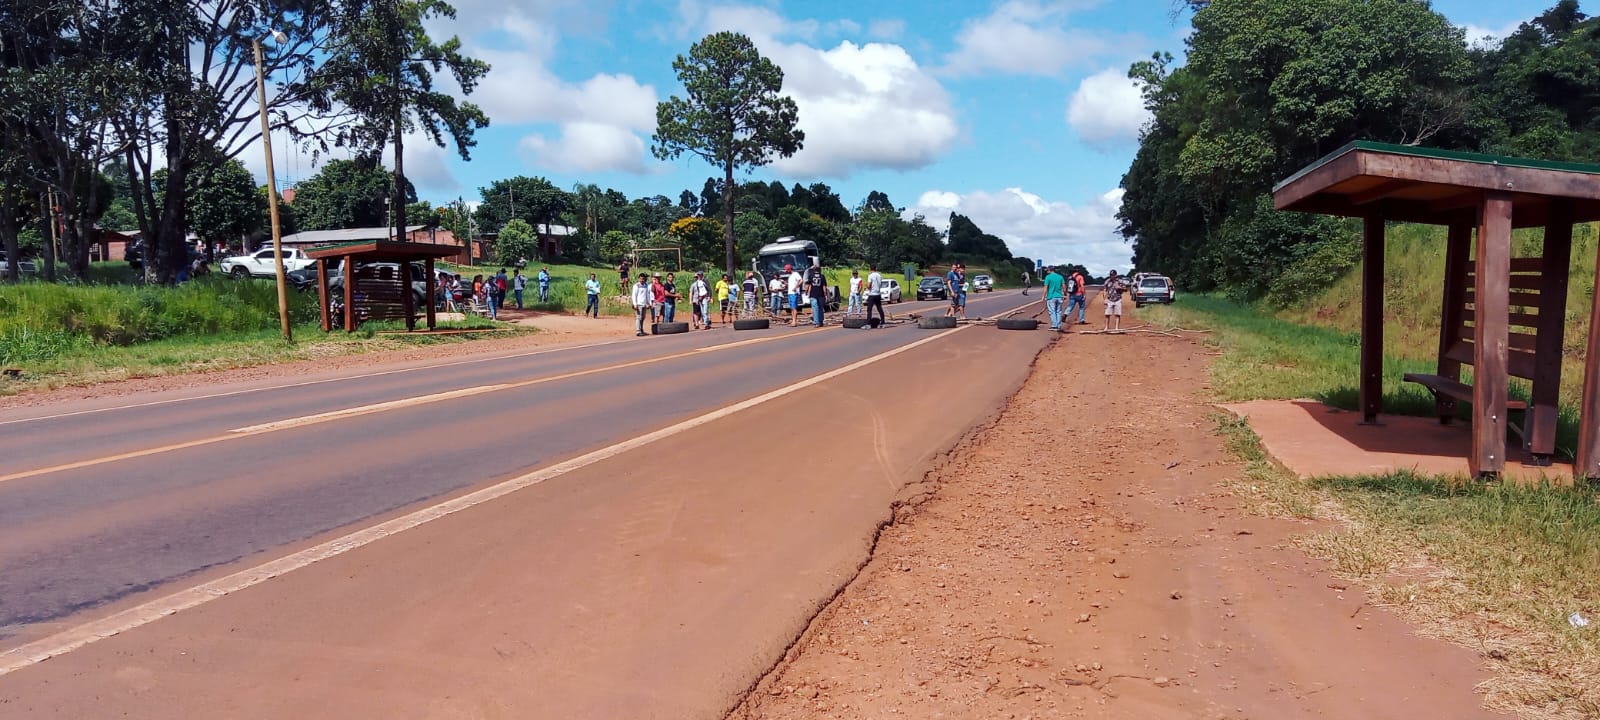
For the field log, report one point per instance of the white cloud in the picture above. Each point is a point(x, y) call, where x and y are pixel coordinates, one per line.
point(1025, 37)
point(1107, 108)
point(427, 165)
point(862, 106)
point(587, 147)
point(1052, 231)
point(1480, 36)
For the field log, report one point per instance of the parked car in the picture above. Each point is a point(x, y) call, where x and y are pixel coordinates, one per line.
point(890, 289)
point(982, 283)
point(24, 267)
point(261, 264)
point(305, 279)
point(932, 288)
point(1153, 289)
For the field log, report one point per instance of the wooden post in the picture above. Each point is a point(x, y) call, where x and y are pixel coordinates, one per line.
point(1588, 456)
point(1455, 297)
point(349, 293)
point(1372, 242)
point(1544, 411)
point(408, 304)
point(1491, 326)
point(427, 269)
point(322, 294)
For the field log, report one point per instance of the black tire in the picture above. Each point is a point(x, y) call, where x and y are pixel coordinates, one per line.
point(938, 322)
point(752, 324)
point(671, 328)
point(1017, 324)
point(855, 323)
point(239, 272)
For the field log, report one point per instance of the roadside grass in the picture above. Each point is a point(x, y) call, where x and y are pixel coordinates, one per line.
point(1496, 568)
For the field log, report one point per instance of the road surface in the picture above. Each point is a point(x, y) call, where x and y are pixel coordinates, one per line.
point(632, 529)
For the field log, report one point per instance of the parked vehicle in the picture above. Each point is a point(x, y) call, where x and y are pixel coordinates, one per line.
point(261, 264)
point(982, 283)
point(24, 267)
point(800, 254)
point(305, 279)
point(890, 289)
point(932, 288)
point(1153, 289)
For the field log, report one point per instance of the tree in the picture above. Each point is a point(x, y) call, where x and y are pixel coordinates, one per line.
point(224, 204)
point(347, 194)
point(699, 238)
point(534, 200)
point(615, 245)
point(877, 201)
point(516, 243)
point(382, 69)
point(733, 117)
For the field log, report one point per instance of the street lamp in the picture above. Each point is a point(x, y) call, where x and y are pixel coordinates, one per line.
point(272, 189)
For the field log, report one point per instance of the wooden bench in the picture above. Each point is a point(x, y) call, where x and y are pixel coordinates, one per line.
point(1450, 391)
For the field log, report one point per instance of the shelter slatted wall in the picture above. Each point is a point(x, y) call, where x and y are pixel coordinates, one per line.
point(378, 290)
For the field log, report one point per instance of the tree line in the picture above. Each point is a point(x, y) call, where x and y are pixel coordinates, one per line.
point(151, 102)
point(1272, 85)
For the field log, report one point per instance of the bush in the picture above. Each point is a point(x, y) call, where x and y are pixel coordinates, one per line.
point(126, 315)
point(1319, 266)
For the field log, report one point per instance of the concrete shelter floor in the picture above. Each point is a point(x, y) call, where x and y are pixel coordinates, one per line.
point(1315, 440)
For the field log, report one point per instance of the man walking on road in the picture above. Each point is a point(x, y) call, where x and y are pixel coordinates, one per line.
point(1053, 283)
point(855, 294)
point(1114, 288)
point(956, 286)
point(643, 299)
point(518, 284)
point(817, 287)
point(544, 285)
point(699, 302)
point(874, 295)
point(1078, 298)
point(591, 288)
point(1027, 282)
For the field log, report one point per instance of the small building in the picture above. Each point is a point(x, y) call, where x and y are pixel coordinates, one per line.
point(414, 234)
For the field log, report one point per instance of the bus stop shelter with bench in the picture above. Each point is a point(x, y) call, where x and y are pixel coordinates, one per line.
point(383, 295)
point(1501, 315)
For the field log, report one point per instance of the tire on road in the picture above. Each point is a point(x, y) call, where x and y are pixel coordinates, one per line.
point(671, 328)
point(1017, 324)
point(939, 322)
point(855, 323)
point(752, 324)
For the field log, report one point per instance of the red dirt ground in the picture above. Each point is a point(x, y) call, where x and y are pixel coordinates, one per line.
point(1081, 558)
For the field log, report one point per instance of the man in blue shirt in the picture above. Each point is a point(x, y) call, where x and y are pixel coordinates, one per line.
point(544, 285)
point(956, 285)
point(591, 287)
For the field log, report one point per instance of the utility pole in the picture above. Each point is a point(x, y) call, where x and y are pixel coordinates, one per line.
point(272, 195)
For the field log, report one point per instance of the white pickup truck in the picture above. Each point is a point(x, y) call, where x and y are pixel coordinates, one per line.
point(260, 263)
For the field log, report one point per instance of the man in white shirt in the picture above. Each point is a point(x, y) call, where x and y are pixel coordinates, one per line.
point(700, 301)
point(874, 295)
point(644, 299)
point(795, 281)
point(855, 294)
point(775, 294)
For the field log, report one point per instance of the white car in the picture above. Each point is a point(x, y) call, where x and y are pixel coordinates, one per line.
point(261, 264)
point(890, 290)
point(24, 267)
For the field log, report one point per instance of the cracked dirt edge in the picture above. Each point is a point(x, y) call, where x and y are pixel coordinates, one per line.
point(911, 495)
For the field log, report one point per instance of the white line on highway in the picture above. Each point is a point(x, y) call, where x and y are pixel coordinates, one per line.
point(144, 614)
point(365, 409)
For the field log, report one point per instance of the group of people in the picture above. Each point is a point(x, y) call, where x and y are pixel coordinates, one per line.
point(654, 298)
point(490, 291)
point(1072, 291)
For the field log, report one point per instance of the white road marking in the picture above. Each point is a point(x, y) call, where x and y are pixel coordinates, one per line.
point(366, 409)
point(146, 613)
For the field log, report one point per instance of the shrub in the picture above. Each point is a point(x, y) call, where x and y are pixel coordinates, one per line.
point(125, 315)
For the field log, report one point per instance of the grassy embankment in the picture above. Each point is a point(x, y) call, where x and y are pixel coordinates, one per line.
point(76, 334)
point(1497, 568)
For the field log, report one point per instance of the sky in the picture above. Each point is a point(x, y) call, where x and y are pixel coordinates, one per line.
point(1018, 113)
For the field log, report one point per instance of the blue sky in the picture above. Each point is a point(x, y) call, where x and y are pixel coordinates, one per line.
point(1016, 113)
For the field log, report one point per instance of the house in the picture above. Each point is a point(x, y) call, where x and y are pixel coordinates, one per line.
point(552, 240)
point(109, 245)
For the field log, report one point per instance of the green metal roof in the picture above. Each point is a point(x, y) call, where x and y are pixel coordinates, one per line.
point(1415, 151)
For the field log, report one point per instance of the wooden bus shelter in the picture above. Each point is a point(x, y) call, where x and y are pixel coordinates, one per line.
point(386, 294)
point(1504, 316)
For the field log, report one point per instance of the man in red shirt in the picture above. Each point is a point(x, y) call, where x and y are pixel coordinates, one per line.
point(658, 293)
point(1076, 297)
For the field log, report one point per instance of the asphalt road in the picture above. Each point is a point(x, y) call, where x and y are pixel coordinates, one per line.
point(108, 504)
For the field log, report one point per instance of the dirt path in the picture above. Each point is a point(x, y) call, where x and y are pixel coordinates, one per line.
point(1084, 559)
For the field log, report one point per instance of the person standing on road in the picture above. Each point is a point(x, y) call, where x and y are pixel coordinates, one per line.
point(752, 293)
point(855, 294)
point(874, 295)
point(1113, 290)
point(723, 289)
point(793, 282)
point(544, 285)
point(817, 288)
point(775, 294)
point(1078, 290)
point(699, 302)
point(658, 297)
point(643, 299)
point(591, 289)
point(956, 285)
point(669, 307)
point(518, 284)
point(1027, 282)
point(1053, 295)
